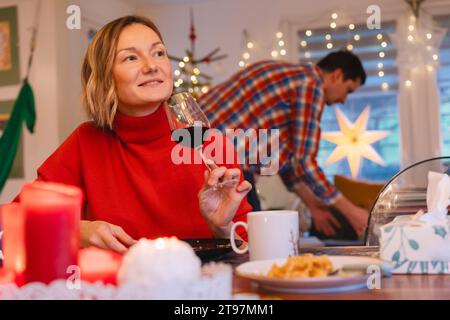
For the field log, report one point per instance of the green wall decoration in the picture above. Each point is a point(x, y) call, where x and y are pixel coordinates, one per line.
point(17, 170)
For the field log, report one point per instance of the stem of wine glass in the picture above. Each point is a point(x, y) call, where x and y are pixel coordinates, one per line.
point(208, 162)
point(211, 165)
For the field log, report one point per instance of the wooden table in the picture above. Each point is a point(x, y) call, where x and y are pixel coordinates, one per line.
point(396, 287)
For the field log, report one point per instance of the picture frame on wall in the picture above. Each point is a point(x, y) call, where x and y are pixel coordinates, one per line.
point(17, 171)
point(9, 48)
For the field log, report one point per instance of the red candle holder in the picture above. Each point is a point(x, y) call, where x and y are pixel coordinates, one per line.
point(52, 218)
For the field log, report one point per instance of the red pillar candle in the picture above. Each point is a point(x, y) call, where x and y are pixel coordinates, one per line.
point(52, 217)
point(13, 240)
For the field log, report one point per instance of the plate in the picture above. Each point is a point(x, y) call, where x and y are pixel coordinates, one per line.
point(208, 249)
point(257, 271)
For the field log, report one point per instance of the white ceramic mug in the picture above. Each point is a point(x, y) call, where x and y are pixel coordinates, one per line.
point(271, 234)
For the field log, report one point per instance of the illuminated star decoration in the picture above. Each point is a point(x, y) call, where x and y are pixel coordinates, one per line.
point(354, 141)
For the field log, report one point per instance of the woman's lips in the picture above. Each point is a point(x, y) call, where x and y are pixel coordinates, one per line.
point(151, 83)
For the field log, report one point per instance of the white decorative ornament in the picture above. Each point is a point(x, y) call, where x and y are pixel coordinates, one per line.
point(157, 263)
point(354, 141)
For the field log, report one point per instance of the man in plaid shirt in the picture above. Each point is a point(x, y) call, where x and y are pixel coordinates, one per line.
point(291, 98)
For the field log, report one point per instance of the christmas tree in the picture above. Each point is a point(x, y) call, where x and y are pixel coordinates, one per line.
point(188, 76)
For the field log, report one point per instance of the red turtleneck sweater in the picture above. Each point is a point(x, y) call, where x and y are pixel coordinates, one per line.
point(129, 179)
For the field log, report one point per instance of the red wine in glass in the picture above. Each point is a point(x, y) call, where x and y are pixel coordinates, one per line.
point(183, 113)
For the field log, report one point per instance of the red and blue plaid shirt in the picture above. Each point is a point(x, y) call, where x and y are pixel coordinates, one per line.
point(277, 95)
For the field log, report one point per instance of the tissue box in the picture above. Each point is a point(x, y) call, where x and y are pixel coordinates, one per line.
point(416, 247)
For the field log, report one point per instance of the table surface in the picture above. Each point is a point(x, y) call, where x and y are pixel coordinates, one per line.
point(396, 287)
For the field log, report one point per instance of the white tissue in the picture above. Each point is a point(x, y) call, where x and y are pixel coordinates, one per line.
point(438, 194)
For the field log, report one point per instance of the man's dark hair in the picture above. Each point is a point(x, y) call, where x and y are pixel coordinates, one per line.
point(347, 61)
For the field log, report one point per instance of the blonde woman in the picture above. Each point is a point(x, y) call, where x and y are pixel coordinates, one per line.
point(122, 158)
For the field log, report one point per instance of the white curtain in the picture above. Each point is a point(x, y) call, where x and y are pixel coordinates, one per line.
point(417, 42)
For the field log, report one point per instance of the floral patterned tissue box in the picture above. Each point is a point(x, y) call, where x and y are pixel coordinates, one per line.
point(416, 247)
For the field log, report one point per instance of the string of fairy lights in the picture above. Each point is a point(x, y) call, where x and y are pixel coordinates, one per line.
point(422, 37)
point(354, 38)
point(246, 55)
point(279, 50)
point(188, 75)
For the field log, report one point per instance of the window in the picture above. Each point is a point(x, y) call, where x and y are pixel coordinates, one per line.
point(444, 84)
point(380, 93)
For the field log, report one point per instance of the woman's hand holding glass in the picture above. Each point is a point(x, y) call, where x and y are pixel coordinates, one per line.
point(219, 205)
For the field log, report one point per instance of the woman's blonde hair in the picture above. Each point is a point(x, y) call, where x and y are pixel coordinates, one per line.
point(99, 92)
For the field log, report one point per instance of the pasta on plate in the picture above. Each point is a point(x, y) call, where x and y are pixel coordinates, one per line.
point(303, 266)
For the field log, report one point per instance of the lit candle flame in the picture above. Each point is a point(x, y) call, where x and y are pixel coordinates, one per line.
point(160, 244)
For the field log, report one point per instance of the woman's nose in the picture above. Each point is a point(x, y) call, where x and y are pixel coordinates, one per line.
point(149, 66)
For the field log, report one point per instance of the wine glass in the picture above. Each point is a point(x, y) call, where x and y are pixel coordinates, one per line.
point(184, 113)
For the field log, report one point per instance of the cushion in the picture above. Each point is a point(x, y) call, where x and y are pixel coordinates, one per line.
point(360, 193)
